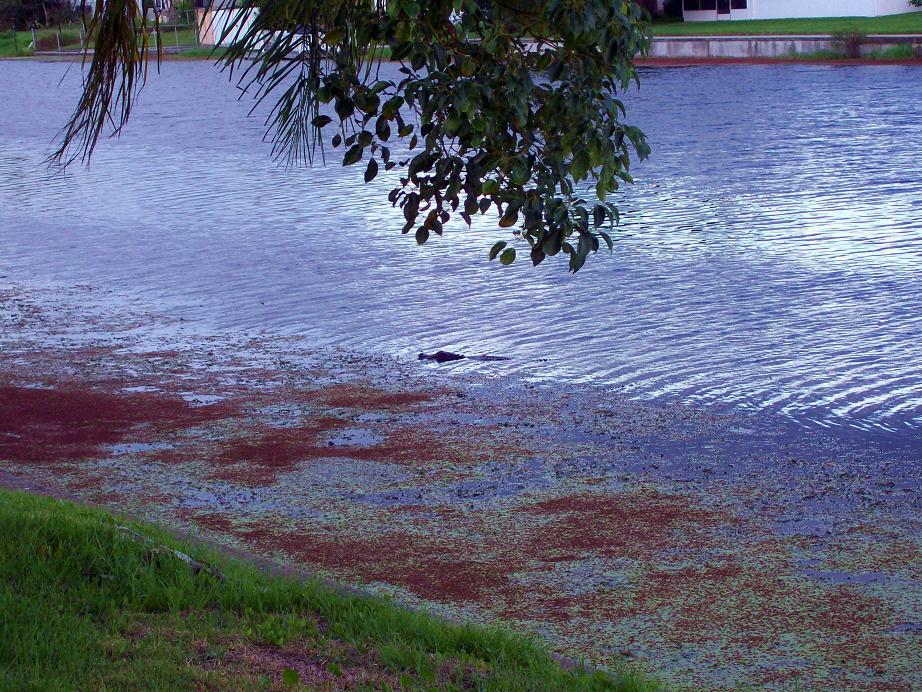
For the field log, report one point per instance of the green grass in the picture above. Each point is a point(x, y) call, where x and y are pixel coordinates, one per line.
point(10, 48)
point(902, 51)
point(186, 37)
point(86, 605)
point(897, 52)
point(908, 23)
point(71, 40)
point(201, 53)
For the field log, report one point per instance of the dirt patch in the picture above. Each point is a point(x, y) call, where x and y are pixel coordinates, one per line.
point(323, 667)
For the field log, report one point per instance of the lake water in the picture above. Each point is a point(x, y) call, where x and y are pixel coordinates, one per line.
point(769, 259)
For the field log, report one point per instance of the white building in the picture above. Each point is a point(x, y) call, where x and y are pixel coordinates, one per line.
point(710, 10)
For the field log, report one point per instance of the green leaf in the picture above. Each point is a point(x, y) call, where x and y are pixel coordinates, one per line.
point(334, 36)
point(353, 155)
point(608, 241)
point(520, 172)
point(422, 235)
point(321, 121)
point(551, 244)
point(508, 256)
point(411, 208)
point(371, 171)
point(494, 251)
point(402, 50)
point(579, 166)
point(383, 129)
point(344, 108)
point(369, 104)
point(509, 218)
point(537, 255)
point(576, 261)
point(598, 215)
point(585, 244)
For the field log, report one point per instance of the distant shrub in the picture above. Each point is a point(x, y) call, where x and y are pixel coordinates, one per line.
point(848, 43)
point(25, 13)
point(672, 8)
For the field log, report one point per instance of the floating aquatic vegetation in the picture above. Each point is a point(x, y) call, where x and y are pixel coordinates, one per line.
point(717, 550)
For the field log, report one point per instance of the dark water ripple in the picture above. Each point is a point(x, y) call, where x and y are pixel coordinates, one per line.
point(769, 256)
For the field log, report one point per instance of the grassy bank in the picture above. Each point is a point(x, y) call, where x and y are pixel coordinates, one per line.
point(908, 23)
point(92, 602)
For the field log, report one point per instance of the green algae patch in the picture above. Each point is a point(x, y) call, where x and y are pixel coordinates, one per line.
point(92, 602)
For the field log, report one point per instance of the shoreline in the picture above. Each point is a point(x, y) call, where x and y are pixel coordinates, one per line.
point(640, 62)
point(273, 568)
point(804, 60)
point(689, 542)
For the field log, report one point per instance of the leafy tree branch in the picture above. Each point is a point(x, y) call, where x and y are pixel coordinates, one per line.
point(507, 106)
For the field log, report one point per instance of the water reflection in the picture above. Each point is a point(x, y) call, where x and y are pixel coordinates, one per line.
point(769, 257)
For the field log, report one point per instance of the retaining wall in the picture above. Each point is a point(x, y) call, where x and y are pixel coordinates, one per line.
point(766, 46)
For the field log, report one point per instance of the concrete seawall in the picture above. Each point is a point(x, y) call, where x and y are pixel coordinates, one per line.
point(769, 46)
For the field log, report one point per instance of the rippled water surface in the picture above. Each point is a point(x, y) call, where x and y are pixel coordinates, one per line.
point(770, 254)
